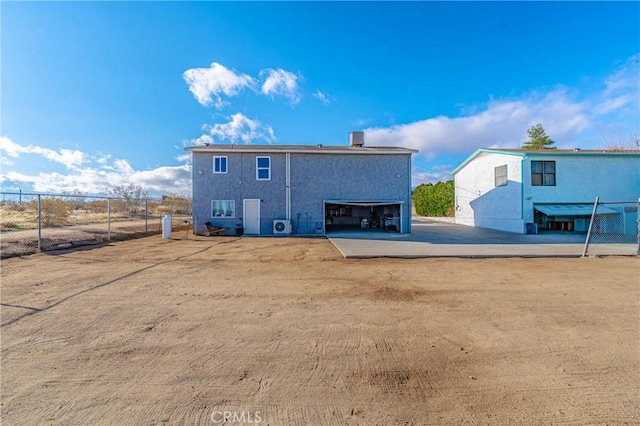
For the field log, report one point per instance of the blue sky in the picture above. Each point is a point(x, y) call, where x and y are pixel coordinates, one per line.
point(98, 94)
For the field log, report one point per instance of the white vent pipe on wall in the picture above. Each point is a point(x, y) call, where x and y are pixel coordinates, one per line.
point(288, 185)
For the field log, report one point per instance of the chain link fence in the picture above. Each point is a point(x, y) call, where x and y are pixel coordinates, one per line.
point(30, 223)
point(613, 229)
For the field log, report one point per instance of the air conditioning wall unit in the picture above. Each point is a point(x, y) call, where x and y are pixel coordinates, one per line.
point(281, 227)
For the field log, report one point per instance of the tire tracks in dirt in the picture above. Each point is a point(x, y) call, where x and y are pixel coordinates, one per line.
point(34, 311)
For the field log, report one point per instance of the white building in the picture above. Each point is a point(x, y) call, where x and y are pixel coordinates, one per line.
point(510, 189)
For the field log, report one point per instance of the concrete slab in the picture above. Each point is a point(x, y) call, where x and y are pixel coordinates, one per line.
point(430, 238)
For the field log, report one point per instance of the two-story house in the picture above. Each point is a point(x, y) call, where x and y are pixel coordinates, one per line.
point(510, 189)
point(297, 189)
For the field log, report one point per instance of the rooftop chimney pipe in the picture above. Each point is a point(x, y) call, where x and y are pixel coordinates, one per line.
point(357, 139)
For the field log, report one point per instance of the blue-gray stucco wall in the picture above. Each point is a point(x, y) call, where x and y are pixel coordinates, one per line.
point(315, 178)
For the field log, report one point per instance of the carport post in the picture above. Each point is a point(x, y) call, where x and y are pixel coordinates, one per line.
point(593, 215)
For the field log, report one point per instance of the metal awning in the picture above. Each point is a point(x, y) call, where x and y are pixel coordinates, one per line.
point(362, 203)
point(572, 209)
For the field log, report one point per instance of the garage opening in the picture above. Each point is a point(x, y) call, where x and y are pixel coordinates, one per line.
point(568, 217)
point(373, 216)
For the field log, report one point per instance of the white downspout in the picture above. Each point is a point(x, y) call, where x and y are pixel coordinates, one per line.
point(288, 185)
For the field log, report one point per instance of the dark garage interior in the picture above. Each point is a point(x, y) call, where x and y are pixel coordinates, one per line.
point(363, 216)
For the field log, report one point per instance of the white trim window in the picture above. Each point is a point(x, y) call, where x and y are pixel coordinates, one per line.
point(223, 209)
point(263, 168)
point(220, 164)
point(500, 175)
point(543, 173)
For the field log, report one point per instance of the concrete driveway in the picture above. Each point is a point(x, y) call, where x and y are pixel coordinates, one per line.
point(430, 238)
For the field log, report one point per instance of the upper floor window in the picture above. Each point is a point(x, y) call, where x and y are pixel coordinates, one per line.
point(263, 168)
point(501, 175)
point(543, 173)
point(219, 164)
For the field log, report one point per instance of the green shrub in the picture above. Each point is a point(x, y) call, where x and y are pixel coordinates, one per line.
point(435, 200)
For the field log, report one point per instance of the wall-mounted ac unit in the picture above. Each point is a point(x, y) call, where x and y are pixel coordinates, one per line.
point(281, 226)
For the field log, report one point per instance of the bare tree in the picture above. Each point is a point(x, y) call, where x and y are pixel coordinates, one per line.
point(630, 143)
point(77, 199)
point(130, 195)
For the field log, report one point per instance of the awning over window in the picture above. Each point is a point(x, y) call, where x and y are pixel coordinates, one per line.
point(572, 209)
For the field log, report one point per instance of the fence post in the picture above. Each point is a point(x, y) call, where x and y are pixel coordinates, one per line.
point(39, 222)
point(146, 215)
point(108, 219)
point(638, 227)
point(593, 215)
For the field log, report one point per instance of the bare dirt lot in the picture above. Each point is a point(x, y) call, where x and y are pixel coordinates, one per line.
point(286, 331)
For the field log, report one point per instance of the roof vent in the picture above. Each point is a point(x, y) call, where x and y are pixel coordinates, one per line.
point(357, 139)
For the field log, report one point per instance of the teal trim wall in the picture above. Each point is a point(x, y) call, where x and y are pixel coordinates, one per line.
point(524, 158)
point(548, 152)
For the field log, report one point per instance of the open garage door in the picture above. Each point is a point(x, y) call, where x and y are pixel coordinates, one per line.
point(363, 215)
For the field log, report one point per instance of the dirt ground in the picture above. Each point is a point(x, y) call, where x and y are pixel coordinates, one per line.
point(284, 331)
point(17, 242)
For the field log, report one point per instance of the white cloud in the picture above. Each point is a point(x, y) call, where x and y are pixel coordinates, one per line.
point(102, 158)
point(9, 147)
point(279, 82)
point(620, 101)
point(69, 158)
point(432, 176)
point(208, 84)
point(573, 118)
point(323, 97)
point(162, 180)
point(93, 180)
point(625, 77)
point(184, 158)
point(165, 180)
point(614, 103)
point(123, 167)
point(239, 128)
point(203, 139)
point(502, 123)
